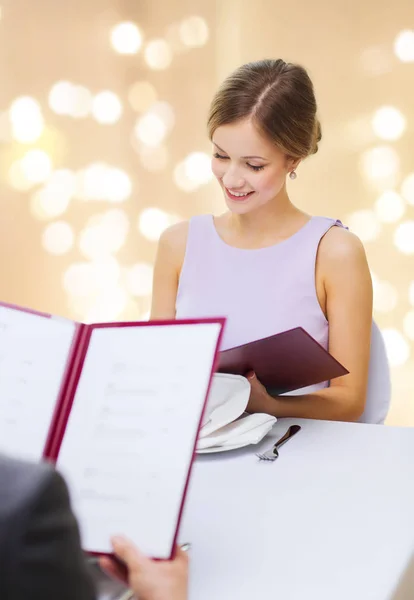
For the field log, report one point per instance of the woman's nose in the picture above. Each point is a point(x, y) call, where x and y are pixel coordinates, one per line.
point(232, 179)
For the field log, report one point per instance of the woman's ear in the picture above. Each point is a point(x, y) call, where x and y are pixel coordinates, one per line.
point(292, 163)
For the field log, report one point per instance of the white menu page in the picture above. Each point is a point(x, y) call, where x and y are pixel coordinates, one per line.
point(34, 351)
point(130, 436)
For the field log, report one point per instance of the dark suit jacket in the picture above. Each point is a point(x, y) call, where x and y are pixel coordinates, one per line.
point(40, 552)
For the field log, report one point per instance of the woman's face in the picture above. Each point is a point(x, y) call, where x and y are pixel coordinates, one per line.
point(250, 169)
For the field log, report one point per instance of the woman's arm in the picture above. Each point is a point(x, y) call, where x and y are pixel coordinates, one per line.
point(345, 274)
point(168, 263)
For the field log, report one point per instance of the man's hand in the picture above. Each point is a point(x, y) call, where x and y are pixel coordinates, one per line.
point(149, 579)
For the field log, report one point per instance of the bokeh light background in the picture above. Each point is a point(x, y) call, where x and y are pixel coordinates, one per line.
point(103, 143)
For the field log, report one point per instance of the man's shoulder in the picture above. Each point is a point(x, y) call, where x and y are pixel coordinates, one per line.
point(20, 483)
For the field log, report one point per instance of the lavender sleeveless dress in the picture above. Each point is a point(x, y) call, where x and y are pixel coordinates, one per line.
point(260, 292)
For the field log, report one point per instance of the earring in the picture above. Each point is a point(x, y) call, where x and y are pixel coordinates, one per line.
point(292, 174)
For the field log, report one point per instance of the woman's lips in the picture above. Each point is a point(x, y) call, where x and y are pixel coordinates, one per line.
point(238, 198)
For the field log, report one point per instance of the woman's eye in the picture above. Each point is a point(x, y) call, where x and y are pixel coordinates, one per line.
point(255, 167)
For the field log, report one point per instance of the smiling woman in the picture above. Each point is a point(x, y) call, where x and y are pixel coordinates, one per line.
point(256, 178)
point(264, 264)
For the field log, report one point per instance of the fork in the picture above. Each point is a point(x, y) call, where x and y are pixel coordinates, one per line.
point(273, 453)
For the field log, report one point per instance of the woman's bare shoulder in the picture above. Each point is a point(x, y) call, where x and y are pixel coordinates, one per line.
point(343, 261)
point(175, 236)
point(173, 241)
point(340, 244)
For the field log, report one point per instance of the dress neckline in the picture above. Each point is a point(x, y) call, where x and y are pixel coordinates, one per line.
point(263, 248)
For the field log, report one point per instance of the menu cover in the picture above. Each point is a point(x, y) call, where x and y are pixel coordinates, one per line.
point(117, 407)
point(283, 362)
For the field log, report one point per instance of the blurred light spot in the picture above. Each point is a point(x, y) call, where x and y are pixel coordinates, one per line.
point(106, 272)
point(80, 305)
point(193, 171)
point(381, 166)
point(61, 97)
point(364, 224)
point(75, 101)
point(181, 179)
point(88, 278)
point(62, 181)
point(404, 237)
point(374, 278)
point(108, 306)
point(45, 206)
point(26, 120)
point(198, 167)
point(165, 112)
point(154, 159)
point(194, 32)
point(36, 166)
point(53, 199)
point(141, 95)
point(389, 207)
point(102, 182)
point(81, 105)
point(407, 188)
point(398, 349)
point(376, 60)
point(388, 123)
point(150, 129)
point(17, 177)
point(408, 324)
point(118, 185)
point(173, 38)
point(104, 234)
point(5, 128)
point(126, 38)
point(58, 238)
point(385, 296)
point(411, 293)
point(358, 132)
point(89, 182)
point(106, 108)
point(404, 46)
point(139, 279)
point(145, 316)
point(153, 222)
point(158, 54)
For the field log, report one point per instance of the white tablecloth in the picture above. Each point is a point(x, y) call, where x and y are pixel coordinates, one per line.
point(331, 519)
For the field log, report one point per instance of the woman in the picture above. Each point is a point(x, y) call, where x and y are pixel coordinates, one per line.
point(264, 264)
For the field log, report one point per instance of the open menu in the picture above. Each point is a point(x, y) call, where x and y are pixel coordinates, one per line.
point(283, 362)
point(117, 407)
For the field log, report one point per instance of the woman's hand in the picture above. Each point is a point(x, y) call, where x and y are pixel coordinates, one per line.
point(259, 401)
point(149, 579)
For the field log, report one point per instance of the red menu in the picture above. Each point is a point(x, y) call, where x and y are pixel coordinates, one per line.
point(117, 407)
point(283, 362)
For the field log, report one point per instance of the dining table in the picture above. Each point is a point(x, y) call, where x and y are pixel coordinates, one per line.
point(331, 519)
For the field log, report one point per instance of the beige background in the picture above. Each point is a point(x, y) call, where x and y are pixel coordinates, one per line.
point(348, 48)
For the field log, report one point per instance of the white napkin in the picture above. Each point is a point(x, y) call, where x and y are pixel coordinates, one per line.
point(228, 398)
point(223, 424)
point(246, 430)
